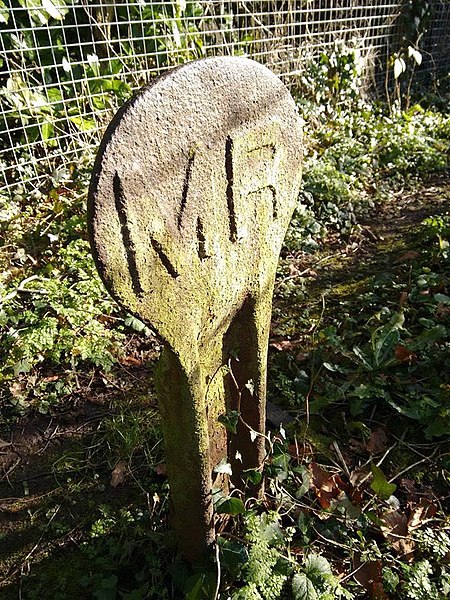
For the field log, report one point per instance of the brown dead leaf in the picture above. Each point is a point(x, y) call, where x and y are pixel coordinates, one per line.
point(370, 576)
point(300, 451)
point(118, 474)
point(410, 255)
point(357, 476)
point(130, 361)
point(377, 442)
point(161, 469)
point(403, 298)
point(326, 486)
point(395, 529)
point(442, 310)
point(357, 497)
point(420, 513)
point(409, 486)
point(285, 345)
point(402, 354)
point(50, 378)
point(318, 475)
point(355, 445)
point(106, 319)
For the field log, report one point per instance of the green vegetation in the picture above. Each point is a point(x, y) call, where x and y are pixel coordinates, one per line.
point(356, 502)
point(71, 66)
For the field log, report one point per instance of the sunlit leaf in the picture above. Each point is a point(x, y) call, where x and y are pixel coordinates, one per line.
point(230, 506)
point(385, 338)
point(303, 588)
point(380, 485)
point(399, 67)
point(415, 54)
point(47, 130)
point(223, 467)
point(4, 12)
point(317, 565)
point(83, 124)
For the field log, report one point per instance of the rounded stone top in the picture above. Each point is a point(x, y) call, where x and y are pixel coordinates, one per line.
point(193, 188)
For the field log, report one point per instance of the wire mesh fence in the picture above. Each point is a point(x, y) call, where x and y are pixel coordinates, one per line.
point(68, 64)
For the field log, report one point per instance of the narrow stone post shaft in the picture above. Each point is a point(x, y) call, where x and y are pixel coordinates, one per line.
point(182, 403)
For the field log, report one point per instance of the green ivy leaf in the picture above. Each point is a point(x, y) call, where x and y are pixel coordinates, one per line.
point(230, 420)
point(230, 506)
point(380, 485)
point(22, 366)
point(233, 556)
point(253, 476)
point(137, 325)
point(200, 586)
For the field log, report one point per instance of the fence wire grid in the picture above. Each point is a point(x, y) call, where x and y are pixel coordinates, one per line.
point(67, 65)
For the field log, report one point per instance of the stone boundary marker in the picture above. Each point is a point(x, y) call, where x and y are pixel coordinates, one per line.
point(192, 192)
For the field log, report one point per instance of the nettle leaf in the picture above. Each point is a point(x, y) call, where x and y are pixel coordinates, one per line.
point(303, 588)
point(429, 336)
point(230, 506)
point(47, 130)
point(316, 565)
point(22, 366)
point(380, 485)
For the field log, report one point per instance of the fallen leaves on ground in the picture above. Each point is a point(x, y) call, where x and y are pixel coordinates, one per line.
point(377, 442)
point(119, 473)
point(395, 529)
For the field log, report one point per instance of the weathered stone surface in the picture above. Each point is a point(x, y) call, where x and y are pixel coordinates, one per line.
point(193, 189)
